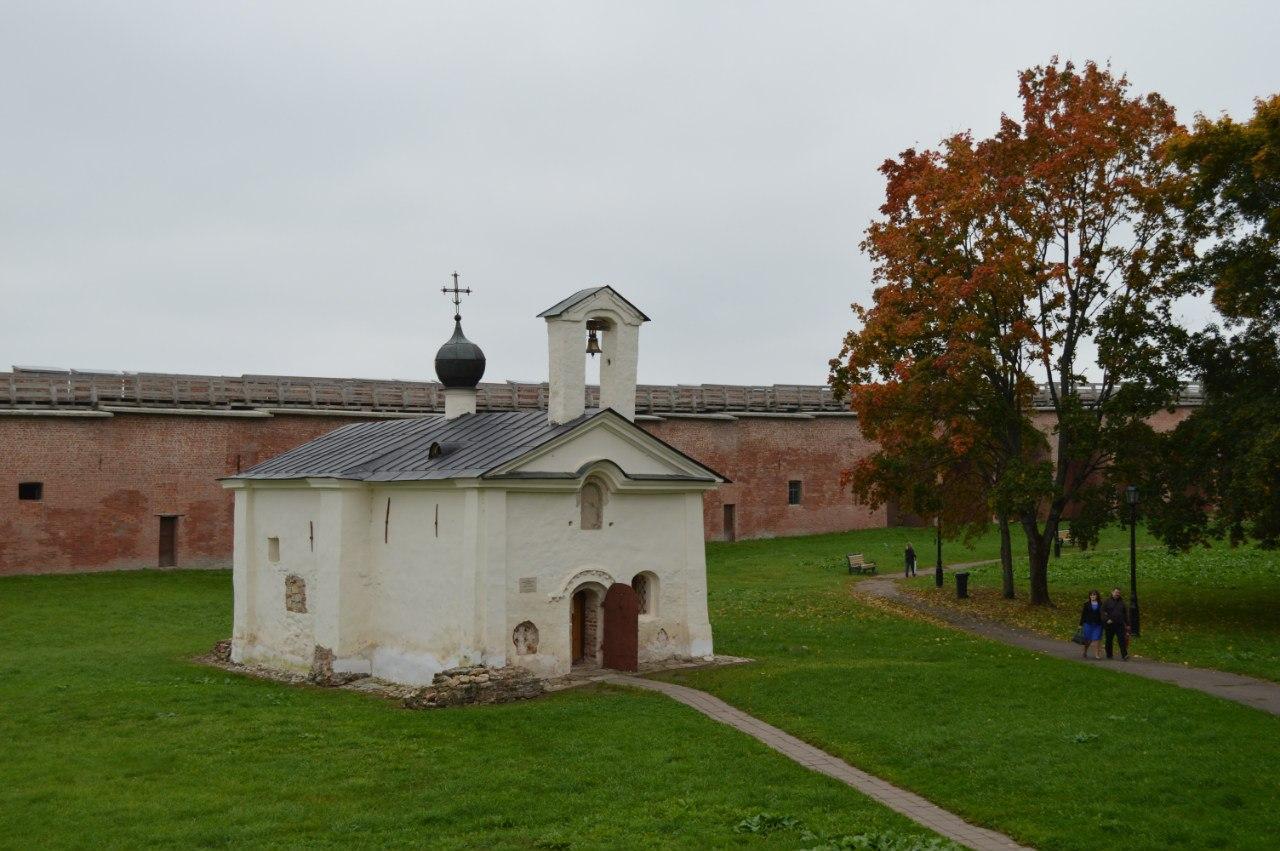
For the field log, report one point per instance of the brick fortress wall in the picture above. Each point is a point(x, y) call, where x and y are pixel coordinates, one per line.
point(107, 480)
point(109, 473)
point(760, 455)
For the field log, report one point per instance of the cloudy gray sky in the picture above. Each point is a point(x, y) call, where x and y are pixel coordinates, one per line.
point(283, 187)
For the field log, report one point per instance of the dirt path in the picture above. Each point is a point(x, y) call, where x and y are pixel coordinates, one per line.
point(1259, 694)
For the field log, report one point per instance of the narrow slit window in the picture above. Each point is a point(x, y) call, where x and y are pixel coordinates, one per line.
point(31, 490)
point(794, 492)
point(273, 550)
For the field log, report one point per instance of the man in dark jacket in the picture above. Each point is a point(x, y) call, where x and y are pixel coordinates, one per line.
point(910, 566)
point(1115, 620)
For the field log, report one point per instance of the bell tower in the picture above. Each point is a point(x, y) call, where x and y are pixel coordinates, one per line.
point(595, 322)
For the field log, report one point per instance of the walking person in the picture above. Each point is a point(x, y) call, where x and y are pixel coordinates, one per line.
point(1091, 624)
point(1115, 620)
point(909, 569)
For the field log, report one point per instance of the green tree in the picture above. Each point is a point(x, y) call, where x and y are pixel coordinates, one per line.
point(1016, 261)
point(1221, 471)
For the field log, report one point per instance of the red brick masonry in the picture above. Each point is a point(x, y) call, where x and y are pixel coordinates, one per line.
point(760, 455)
point(108, 479)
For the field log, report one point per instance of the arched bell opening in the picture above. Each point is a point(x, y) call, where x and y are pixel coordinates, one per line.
point(599, 355)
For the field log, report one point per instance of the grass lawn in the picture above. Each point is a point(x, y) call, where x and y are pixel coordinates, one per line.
point(113, 738)
point(1213, 608)
point(1059, 755)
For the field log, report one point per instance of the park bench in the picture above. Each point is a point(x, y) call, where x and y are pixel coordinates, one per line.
point(859, 564)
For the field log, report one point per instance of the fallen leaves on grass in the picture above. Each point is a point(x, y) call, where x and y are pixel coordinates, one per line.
point(764, 824)
point(1211, 608)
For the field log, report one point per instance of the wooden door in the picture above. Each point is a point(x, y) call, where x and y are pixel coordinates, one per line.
point(578, 625)
point(621, 627)
point(730, 530)
point(168, 541)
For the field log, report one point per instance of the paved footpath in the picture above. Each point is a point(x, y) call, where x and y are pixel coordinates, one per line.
point(1260, 694)
point(909, 804)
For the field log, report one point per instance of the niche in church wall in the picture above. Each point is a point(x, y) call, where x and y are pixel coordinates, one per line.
point(525, 638)
point(591, 502)
point(295, 594)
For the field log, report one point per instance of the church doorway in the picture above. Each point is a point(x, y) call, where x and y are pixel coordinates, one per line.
point(584, 626)
point(578, 624)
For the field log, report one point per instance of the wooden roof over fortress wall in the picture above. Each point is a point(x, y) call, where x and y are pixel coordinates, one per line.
point(32, 389)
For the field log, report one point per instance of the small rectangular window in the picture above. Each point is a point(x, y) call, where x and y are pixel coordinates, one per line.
point(31, 490)
point(793, 492)
point(273, 550)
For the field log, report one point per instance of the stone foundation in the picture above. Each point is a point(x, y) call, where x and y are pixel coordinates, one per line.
point(476, 685)
point(322, 673)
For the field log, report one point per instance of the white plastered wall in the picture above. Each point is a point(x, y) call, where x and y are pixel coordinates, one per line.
point(407, 579)
point(422, 552)
point(641, 532)
point(618, 367)
point(264, 631)
point(567, 370)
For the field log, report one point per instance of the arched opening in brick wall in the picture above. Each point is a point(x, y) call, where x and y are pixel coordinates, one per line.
point(585, 622)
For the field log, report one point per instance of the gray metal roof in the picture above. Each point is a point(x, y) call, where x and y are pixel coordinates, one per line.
point(399, 450)
point(562, 306)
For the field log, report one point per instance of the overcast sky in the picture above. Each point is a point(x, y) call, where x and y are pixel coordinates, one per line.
point(284, 187)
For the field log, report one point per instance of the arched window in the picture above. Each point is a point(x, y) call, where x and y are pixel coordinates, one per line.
point(592, 503)
point(646, 587)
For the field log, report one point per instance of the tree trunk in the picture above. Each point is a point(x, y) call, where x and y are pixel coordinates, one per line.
point(1006, 557)
point(1038, 559)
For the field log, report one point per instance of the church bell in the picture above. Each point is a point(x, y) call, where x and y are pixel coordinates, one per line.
point(593, 343)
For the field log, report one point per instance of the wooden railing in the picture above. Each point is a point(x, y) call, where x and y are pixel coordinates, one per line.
point(36, 388)
point(39, 388)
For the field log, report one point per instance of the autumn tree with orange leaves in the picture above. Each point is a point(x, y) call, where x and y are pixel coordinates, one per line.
point(1021, 329)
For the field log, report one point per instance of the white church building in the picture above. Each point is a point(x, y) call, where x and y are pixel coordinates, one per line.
point(546, 539)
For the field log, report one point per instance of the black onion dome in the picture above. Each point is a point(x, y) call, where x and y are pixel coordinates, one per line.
point(459, 363)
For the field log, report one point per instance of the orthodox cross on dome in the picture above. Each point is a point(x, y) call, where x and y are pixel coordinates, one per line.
point(458, 293)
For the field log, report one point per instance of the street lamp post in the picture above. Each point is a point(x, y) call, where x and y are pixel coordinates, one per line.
point(937, 570)
point(1131, 497)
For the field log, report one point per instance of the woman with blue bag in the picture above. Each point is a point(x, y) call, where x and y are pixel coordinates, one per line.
point(1091, 625)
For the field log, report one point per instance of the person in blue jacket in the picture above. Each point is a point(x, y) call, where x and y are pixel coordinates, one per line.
point(1091, 624)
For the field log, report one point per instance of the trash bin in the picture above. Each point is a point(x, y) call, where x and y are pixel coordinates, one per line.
point(962, 584)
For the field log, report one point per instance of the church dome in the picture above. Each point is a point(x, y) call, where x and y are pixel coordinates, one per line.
point(459, 363)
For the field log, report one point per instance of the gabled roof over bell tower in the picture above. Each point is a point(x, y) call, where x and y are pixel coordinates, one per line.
point(595, 298)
